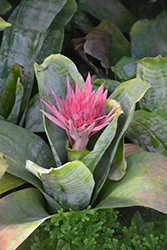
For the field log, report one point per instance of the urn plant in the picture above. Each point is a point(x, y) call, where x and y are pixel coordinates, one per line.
point(65, 174)
point(81, 162)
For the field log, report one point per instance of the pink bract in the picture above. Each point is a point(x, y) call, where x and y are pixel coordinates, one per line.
point(81, 114)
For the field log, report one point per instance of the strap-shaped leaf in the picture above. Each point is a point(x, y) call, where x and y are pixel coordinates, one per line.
point(34, 119)
point(148, 37)
point(127, 93)
point(3, 165)
point(54, 72)
point(113, 11)
point(10, 91)
point(21, 43)
point(154, 71)
point(9, 182)
point(4, 24)
point(18, 145)
point(5, 7)
point(13, 117)
point(148, 130)
point(125, 68)
point(71, 185)
point(21, 213)
point(143, 185)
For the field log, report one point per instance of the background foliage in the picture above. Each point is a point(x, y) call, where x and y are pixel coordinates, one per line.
point(31, 31)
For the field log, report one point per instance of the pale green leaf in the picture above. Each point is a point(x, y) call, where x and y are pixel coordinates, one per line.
point(4, 24)
point(21, 213)
point(154, 71)
point(143, 185)
point(71, 185)
point(9, 182)
point(3, 165)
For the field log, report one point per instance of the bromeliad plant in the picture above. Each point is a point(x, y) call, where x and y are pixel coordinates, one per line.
point(89, 168)
point(82, 114)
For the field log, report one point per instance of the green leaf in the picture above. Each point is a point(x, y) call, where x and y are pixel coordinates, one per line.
point(18, 145)
point(127, 93)
point(125, 68)
point(109, 84)
point(10, 91)
point(21, 213)
point(119, 164)
point(55, 34)
point(4, 7)
point(4, 24)
point(13, 117)
point(148, 38)
point(154, 70)
point(54, 72)
point(120, 46)
point(74, 154)
point(3, 165)
point(113, 11)
point(9, 182)
point(71, 185)
point(34, 120)
point(22, 43)
point(149, 131)
point(143, 185)
point(92, 159)
point(84, 21)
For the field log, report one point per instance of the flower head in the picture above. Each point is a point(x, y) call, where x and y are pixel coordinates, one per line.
point(81, 114)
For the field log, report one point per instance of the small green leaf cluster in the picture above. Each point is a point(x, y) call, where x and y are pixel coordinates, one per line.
point(91, 229)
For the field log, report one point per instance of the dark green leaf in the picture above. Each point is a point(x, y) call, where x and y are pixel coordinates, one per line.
point(148, 38)
point(55, 33)
point(4, 7)
point(109, 84)
point(9, 93)
point(120, 46)
point(22, 43)
point(34, 120)
point(125, 68)
point(149, 131)
point(111, 10)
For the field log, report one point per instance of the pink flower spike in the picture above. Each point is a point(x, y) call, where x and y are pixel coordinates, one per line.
point(81, 113)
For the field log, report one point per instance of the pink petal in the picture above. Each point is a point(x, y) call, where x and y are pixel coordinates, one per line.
point(69, 89)
point(88, 86)
point(53, 119)
point(57, 99)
